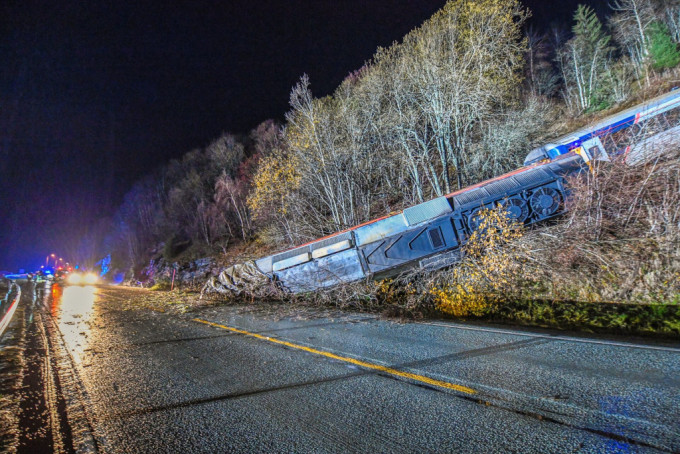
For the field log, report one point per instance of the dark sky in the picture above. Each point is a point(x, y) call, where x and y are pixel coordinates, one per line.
point(94, 94)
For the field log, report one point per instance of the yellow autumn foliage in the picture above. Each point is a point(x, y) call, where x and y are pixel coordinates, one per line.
point(276, 178)
point(486, 269)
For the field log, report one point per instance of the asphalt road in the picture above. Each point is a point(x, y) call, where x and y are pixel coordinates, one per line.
point(236, 379)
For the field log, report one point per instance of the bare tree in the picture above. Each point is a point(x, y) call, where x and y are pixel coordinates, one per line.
point(506, 137)
point(630, 22)
point(230, 198)
point(266, 137)
point(327, 137)
point(669, 12)
point(223, 154)
point(540, 75)
point(466, 61)
point(410, 136)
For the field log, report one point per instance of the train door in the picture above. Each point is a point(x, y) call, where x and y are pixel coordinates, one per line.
point(593, 150)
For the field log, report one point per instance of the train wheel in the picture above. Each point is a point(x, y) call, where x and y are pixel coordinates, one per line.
point(474, 219)
point(516, 208)
point(545, 201)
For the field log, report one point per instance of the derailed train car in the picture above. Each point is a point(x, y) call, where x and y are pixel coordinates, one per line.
point(430, 235)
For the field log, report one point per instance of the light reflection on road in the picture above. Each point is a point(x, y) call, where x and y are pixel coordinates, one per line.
point(55, 299)
point(73, 306)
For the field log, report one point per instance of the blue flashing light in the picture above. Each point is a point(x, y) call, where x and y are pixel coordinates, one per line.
point(105, 264)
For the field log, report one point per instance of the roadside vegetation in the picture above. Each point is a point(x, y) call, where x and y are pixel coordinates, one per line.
point(611, 264)
point(460, 99)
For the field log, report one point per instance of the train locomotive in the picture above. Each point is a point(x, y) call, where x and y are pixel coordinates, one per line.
point(430, 235)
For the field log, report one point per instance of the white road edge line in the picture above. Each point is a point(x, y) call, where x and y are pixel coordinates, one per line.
point(561, 338)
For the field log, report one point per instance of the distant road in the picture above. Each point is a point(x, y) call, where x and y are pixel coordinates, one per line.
point(233, 379)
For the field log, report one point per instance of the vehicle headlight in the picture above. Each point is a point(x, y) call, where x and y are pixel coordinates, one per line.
point(74, 278)
point(90, 278)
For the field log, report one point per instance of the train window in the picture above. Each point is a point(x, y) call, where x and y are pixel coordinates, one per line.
point(436, 238)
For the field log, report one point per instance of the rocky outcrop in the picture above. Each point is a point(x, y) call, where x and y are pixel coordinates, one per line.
point(187, 275)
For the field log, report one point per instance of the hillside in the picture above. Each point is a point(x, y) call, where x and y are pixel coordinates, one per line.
point(459, 100)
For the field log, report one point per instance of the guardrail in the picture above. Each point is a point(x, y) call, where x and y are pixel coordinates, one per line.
point(8, 306)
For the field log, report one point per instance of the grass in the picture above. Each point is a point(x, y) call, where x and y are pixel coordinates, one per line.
point(622, 318)
point(160, 286)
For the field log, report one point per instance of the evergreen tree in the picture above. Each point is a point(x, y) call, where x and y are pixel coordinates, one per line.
point(662, 50)
point(583, 60)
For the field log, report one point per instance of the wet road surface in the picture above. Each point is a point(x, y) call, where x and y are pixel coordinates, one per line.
point(236, 379)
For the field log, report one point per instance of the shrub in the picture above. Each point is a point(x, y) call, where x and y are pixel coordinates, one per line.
point(486, 271)
point(160, 286)
point(620, 241)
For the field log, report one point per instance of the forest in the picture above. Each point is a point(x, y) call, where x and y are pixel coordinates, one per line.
point(460, 99)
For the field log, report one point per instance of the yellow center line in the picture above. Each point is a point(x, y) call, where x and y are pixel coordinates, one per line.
point(364, 364)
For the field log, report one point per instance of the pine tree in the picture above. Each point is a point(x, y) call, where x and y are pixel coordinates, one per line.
point(583, 61)
point(662, 50)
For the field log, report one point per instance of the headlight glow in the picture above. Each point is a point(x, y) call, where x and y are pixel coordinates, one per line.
point(74, 278)
point(90, 278)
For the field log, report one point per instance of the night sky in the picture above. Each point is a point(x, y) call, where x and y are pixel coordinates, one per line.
point(94, 94)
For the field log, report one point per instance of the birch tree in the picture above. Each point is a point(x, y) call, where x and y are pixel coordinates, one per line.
point(230, 206)
point(669, 13)
point(466, 61)
point(630, 25)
